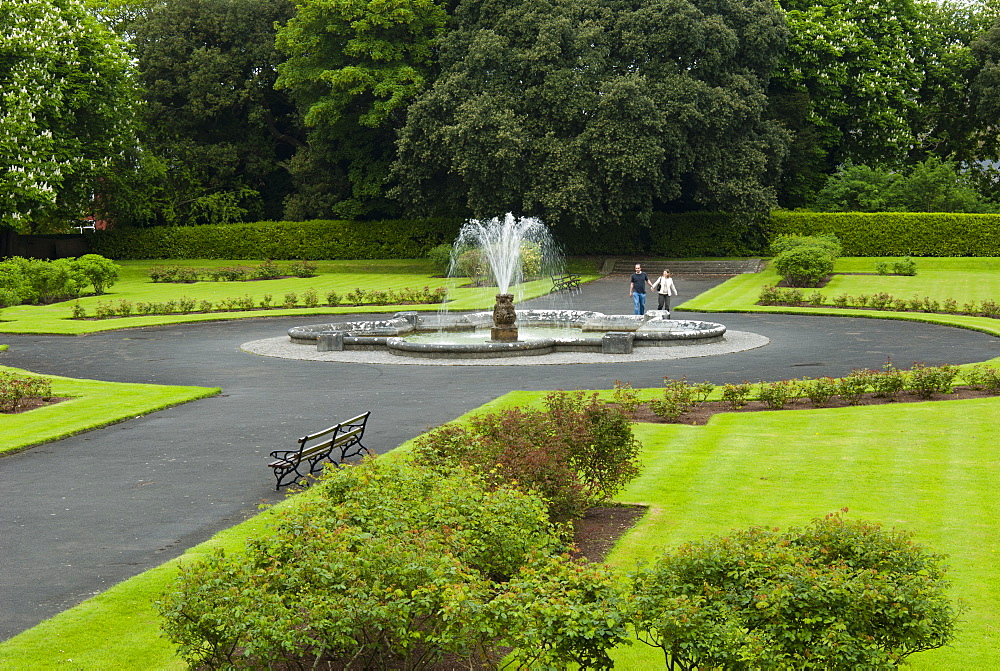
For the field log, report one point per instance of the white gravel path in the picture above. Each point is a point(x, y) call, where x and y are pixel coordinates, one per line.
point(734, 341)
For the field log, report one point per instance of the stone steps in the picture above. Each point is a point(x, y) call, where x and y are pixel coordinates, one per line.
point(654, 267)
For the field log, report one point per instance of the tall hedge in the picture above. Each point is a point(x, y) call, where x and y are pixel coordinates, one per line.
point(694, 234)
point(319, 239)
point(898, 233)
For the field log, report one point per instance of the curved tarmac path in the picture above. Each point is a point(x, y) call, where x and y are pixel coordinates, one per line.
point(86, 512)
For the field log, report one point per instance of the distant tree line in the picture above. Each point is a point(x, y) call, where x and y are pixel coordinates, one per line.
point(585, 112)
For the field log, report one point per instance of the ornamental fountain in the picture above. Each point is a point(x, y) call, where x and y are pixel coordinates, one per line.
point(493, 253)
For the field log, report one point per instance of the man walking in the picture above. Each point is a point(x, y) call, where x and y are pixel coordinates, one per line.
point(637, 290)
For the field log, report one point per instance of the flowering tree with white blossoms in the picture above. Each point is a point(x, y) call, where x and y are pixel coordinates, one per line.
point(67, 104)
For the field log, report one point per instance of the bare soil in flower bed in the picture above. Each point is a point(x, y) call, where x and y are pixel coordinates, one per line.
point(701, 414)
point(32, 403)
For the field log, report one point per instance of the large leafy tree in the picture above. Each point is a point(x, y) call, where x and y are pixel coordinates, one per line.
point(589, 111)
point(66, 107)
point(217, 136)
point(883, 83)
point(353, 67)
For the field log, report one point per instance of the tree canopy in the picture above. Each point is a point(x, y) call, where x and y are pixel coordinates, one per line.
point(590, 111)
point(67, 102)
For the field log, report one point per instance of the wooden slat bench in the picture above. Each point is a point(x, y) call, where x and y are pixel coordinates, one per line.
point(566, 282)
point(335, 444)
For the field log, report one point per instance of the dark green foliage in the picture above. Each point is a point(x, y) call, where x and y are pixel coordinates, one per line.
point(591, 112)
point(838, 594)
point(898, 233)
point(804, 266)
point(389, 565)
point(827, 242)
point(930, 186)
point(38, 281)
point(217, 136)
point(400, 239)
point(576, 452)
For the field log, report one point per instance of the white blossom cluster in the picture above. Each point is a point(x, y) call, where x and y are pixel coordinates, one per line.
point(65, 83)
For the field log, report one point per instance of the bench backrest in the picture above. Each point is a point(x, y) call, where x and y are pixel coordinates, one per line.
point(354, 427)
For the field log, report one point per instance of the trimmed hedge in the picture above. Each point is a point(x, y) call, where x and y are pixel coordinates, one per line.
point(697, 234)
point(318, 239)
point(898, 233)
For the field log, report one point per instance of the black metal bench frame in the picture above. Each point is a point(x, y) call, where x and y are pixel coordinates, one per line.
point(565, 282)
point(343, 438)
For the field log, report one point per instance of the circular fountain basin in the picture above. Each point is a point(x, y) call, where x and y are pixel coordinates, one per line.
point(539, 332)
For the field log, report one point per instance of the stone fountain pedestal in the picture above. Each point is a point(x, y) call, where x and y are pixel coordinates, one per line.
point(504, 317)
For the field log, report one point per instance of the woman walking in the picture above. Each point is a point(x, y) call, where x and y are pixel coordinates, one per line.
point(664, 286)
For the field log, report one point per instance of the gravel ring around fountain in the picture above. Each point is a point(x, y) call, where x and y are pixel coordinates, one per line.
point(733, 341)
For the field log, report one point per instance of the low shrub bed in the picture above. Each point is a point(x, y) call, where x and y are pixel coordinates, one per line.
point(34, 281)
point(792, 297)
point(309, 299)
point(266, 270)
point(17, 391)
point(682, 402)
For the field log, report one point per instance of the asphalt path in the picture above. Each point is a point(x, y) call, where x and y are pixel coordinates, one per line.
point(83, 513)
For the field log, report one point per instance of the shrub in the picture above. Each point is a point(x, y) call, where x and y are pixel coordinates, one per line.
point(950, 306)
point(102, 273)
point(186, 304)
point(842, 301)
point(989, 308)
point(882, 268)
point(678, 398)
point(899, 304)
point(440, 257)
point(854, 386)
point(816, 299)
point(881, 300)
point(332, 299)
point(925, 381)
point(162, 273)
point(387, 566)
point(574, 453)
point(905, 266)
point(625, 396)
point(302, 268)
point(230, 273)
point(205, 305)
point(310, 298)
point(827, 242)
point(15, 388)
point(776, 395)
point(79, 312)
point(769, 295)
point(266, 300)
point(837, 594)
point(736, 395)
point(187, 275)
point(819, 391)
point(356, 297)
point(863, 300)
point(888, 382)
point(291, 299)
point(804, 266)
point(246, 302)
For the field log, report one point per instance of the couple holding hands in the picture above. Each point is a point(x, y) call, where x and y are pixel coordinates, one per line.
point(664, 287)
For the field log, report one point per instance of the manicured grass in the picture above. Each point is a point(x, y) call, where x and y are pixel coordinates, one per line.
point(929, 468)
point(963, 279)
point(340, 276)
point(93, 404)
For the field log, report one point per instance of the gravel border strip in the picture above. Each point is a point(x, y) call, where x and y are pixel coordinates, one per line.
point(733, 341)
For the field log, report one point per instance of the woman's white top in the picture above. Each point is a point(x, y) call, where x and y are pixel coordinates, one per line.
point(665, 285)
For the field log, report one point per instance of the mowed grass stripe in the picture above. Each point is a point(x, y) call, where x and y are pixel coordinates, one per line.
point(929, 468)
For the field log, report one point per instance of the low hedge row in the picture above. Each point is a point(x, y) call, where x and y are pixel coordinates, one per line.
point(897, 233)
point(692, 234)
point(319, 239)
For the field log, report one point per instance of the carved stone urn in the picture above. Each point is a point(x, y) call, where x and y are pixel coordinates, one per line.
point(503, 319)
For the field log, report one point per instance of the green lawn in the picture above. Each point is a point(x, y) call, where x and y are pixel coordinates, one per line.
point(340, 276)
point(930, 468)
point(92, 404)
point(963, 279)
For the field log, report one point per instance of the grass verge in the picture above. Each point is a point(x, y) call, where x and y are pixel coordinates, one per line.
point(92, 404)
point(929, 468)
point(963, 279)
point(341, 276)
